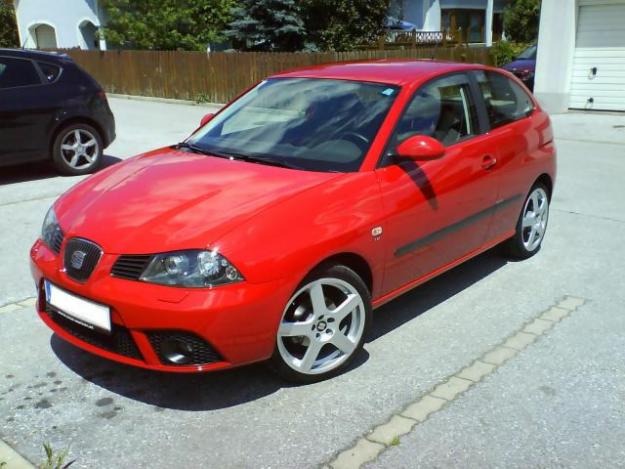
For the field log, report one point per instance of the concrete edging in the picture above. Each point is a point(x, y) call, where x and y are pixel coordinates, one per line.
point(162, 100)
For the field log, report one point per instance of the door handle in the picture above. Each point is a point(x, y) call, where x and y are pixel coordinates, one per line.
point(488, 162)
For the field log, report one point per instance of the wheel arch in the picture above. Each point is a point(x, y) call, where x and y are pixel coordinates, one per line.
point(355, 262)
point(547, 181)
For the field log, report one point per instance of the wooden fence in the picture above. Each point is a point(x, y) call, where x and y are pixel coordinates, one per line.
point(218, 77)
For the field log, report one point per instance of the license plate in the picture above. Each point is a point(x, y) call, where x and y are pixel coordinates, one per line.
point(84, 312)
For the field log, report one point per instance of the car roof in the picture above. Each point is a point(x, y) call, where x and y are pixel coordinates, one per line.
point(389, 71)
point(34, 54)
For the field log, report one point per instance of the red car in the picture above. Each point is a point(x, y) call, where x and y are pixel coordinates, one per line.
point(273, 231)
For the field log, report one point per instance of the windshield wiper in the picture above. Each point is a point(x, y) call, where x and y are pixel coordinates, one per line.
point(267, 161)
point(236, 156)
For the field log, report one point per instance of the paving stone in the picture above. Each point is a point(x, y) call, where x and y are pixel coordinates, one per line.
point(394, 428)
point(9, 308)
point(421, 409)
point(476, 371)
point(520, 340)
point(28, 302)
point(538, 326)
point(450, 389)
point(555, 313)
point(571, 303)
point(364, 451)
point(499, 355)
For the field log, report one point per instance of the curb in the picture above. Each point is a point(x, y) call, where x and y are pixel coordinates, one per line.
point(155, 99)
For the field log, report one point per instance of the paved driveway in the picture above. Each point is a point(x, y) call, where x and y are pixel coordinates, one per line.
point(558, 402)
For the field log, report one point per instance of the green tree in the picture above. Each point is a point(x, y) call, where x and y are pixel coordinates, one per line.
point(344, 24)
point(520, 20)
point(8, 27)
point(165, 24)
point(267, 25)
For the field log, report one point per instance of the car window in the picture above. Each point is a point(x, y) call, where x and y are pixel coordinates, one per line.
point(50, 71)
point(505, 100)
point(528, 54)
point(17, 72)
point(442, 109)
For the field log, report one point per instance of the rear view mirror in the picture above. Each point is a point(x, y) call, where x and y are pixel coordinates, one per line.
point(420, 147)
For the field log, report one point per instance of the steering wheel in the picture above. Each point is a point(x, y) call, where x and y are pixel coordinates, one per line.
point(356, 138)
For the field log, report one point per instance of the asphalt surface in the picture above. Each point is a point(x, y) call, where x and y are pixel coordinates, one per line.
point(559, 403)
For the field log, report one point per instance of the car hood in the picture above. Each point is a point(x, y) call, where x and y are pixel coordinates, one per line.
point(169, 200)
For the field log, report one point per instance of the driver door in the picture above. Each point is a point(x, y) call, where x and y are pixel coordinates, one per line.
point(438, 211)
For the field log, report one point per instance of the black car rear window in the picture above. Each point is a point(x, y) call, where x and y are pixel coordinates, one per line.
point(17, 72)
point(50, 71)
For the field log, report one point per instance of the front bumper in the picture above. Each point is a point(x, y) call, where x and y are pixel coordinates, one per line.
point(237, 322)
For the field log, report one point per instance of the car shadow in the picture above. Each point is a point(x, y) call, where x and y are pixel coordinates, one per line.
point(40, 170)
point(180, 391)
point(434, 292)
point(218, 390)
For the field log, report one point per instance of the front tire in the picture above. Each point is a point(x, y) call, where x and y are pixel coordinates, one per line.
point(531, 225)
point(323, 326)
point(77, 150)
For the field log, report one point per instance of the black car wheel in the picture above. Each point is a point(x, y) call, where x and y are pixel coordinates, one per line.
point(77, 150)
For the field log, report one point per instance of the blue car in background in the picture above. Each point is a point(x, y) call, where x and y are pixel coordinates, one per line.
point(524, 66)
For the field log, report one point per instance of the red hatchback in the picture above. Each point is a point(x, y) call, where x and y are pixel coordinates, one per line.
point(273, 231)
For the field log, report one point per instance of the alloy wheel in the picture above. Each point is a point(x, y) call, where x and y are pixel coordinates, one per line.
point(79, 149)
point(322, 326)
point(535, 216)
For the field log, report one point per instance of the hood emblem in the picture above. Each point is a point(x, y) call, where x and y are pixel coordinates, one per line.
point(77, 260)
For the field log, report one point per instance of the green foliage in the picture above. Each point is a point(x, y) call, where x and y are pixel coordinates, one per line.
point(55, 460)
point(8, 28)
point(267, 25)
point(503, 52)
point(287, 25)
point(343, 24)
point(165, 24)
point(520, 20)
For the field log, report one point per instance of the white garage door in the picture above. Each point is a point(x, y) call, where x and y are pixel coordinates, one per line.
point(598, 80)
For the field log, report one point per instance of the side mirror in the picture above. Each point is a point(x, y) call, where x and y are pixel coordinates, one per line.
point(206, 118)
point(420, 147)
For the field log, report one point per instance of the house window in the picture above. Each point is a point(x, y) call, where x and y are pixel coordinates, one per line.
point(468, 23)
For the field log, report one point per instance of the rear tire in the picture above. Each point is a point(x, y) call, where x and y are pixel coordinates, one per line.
point(77, 150)
point(323, 326)
point(531, 225)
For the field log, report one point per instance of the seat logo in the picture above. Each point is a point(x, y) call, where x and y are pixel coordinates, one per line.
point(77, 260)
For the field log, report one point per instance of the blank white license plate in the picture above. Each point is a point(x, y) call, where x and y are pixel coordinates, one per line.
point(87, 313)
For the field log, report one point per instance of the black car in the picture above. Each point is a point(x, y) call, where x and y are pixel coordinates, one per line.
point(51, 109)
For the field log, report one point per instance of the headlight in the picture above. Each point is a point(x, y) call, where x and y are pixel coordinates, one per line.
point(191, 269)
point(51, 230)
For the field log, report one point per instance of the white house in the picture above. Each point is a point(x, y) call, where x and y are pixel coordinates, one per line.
point(48, 24)
point(581, 55)
point(480, 21)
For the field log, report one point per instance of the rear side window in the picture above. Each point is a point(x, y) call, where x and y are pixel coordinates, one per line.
point(50, 71)
point(442, 109)
point(17, 72)
point(505, 100)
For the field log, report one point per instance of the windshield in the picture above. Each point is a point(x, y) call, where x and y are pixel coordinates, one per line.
point(528, 54)
point(312, 124)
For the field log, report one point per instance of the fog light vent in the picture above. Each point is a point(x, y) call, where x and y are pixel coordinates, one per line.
point(181, 348)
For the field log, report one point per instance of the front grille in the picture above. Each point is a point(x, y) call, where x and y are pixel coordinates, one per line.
point(131, 266)
point(81, 257)
point(199, 351)
point(57, 240)
point(120, 341)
